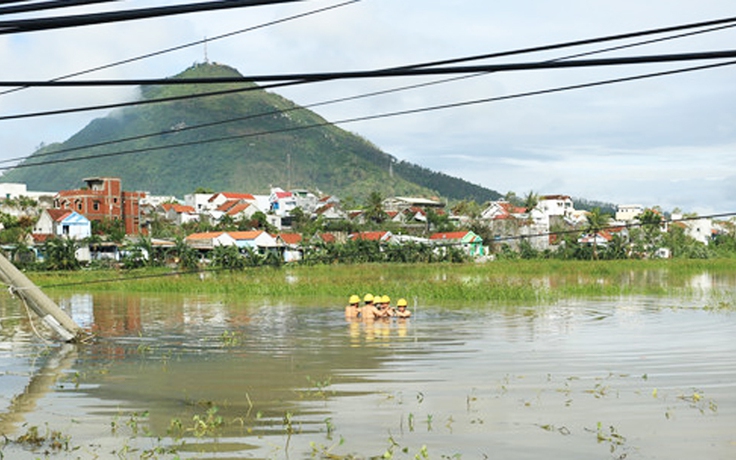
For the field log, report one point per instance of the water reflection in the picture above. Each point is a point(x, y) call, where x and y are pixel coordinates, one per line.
point(641, 377)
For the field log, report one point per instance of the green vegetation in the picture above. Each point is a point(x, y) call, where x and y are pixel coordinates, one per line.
point(499, 282)
point(272, 141)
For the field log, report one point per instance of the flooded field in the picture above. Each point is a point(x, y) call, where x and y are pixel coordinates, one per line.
point(212, 377)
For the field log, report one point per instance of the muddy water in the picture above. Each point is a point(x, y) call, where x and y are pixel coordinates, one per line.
point(206, 377)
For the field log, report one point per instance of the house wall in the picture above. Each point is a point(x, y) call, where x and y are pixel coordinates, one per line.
point(104, 199)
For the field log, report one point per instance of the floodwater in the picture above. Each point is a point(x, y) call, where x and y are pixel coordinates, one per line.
point(208, 377)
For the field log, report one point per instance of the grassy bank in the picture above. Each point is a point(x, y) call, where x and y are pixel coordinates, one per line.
point(504, 281)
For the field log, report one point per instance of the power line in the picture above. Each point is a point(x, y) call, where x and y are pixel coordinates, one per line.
point(190, 44)
point(395, 72)
point(379, 116)
point(49, 5)
point(59, 22)
point(317, 104)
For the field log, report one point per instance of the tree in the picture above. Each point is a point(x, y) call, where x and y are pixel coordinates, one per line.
point(596, 221)
point(531, 200)
point(228, 257)
point(61, 254)
point(373, 209)
point(651, 222)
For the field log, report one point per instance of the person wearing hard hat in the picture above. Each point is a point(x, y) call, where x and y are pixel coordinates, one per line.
point(369, 312)
point(401, 311)
point(353, 309)
point(385, 308)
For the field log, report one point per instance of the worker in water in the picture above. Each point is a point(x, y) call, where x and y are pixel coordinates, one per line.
point(385, 307)
point(401, 311)
point(353, 309)
point(369, 312)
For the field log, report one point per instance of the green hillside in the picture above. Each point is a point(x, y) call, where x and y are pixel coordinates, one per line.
point(264, 147)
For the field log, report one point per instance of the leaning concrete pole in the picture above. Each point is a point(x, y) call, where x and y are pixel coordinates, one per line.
point(39, 302)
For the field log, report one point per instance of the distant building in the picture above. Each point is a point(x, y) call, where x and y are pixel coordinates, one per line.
point(104, 199)
point(628, 212)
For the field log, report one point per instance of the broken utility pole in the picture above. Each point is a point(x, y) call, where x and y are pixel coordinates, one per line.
point(39, 302)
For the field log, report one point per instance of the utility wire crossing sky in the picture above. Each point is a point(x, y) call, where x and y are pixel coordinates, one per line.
point(665, 141)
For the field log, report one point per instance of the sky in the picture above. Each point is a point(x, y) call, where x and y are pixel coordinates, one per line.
point(668, 141)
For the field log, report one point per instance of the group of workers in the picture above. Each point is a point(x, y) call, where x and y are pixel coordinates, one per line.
point(375, 307)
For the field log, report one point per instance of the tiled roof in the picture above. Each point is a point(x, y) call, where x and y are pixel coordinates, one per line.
point(237, 209)
point(291, 238)
point(233, 196)
point(368, 236)
point(58, 214)
point(204, 236)
point(249, 235)
point(178, 208)
point(448, 236)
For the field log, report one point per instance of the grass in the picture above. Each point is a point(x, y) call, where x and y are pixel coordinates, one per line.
point(503, 281)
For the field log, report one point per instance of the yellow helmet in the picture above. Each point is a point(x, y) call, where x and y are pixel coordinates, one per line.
point(368, 298)
point(354, 299)
point(401, 303)
point(385, 299)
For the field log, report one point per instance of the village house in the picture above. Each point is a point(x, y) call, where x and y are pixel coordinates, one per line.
point(282, 202)
point(179, 213)
point(290, 244)
point(256, 240)
point(208, 240)
point(470, 243)
point(628, 212)
point(63, 223)
point(104, 199)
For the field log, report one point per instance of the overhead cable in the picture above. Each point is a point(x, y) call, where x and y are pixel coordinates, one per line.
point(49, 5)
point(59, 22)
point(194, 43)
point(395, 72)
point(30, 163)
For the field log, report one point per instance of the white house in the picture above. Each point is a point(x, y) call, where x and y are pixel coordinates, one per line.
point(555, 205)
point(282, 202)
point(199, 201)
point(628, 212)
point(257, 240)
point(63, 223)
point(208, 240)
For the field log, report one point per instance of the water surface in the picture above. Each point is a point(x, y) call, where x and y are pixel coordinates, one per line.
point(647, 378)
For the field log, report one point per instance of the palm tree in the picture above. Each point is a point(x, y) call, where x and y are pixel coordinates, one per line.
point(597, 221)
point(61, 254)
point(373, 209)
point(531, 200)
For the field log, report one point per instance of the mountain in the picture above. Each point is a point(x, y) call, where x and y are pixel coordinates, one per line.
point(272, 142)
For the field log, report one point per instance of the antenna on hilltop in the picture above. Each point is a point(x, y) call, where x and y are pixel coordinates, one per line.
point(206, 59)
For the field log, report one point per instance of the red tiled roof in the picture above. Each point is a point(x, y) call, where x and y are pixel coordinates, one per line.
point(41, 237)
point(448, 236)
point(327, 237)
point(234, 196)
point(227, 205)
point(237, 209)
point(368, 236)
point(204, 236)
point(58, 214)
point(249, 235)
point(283, 194)
point(291, 238)
point(178, 208)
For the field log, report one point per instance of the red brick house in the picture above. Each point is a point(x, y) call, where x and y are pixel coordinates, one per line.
point(104, 198)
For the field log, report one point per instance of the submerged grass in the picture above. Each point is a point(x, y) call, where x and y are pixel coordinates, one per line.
point(502, 281)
